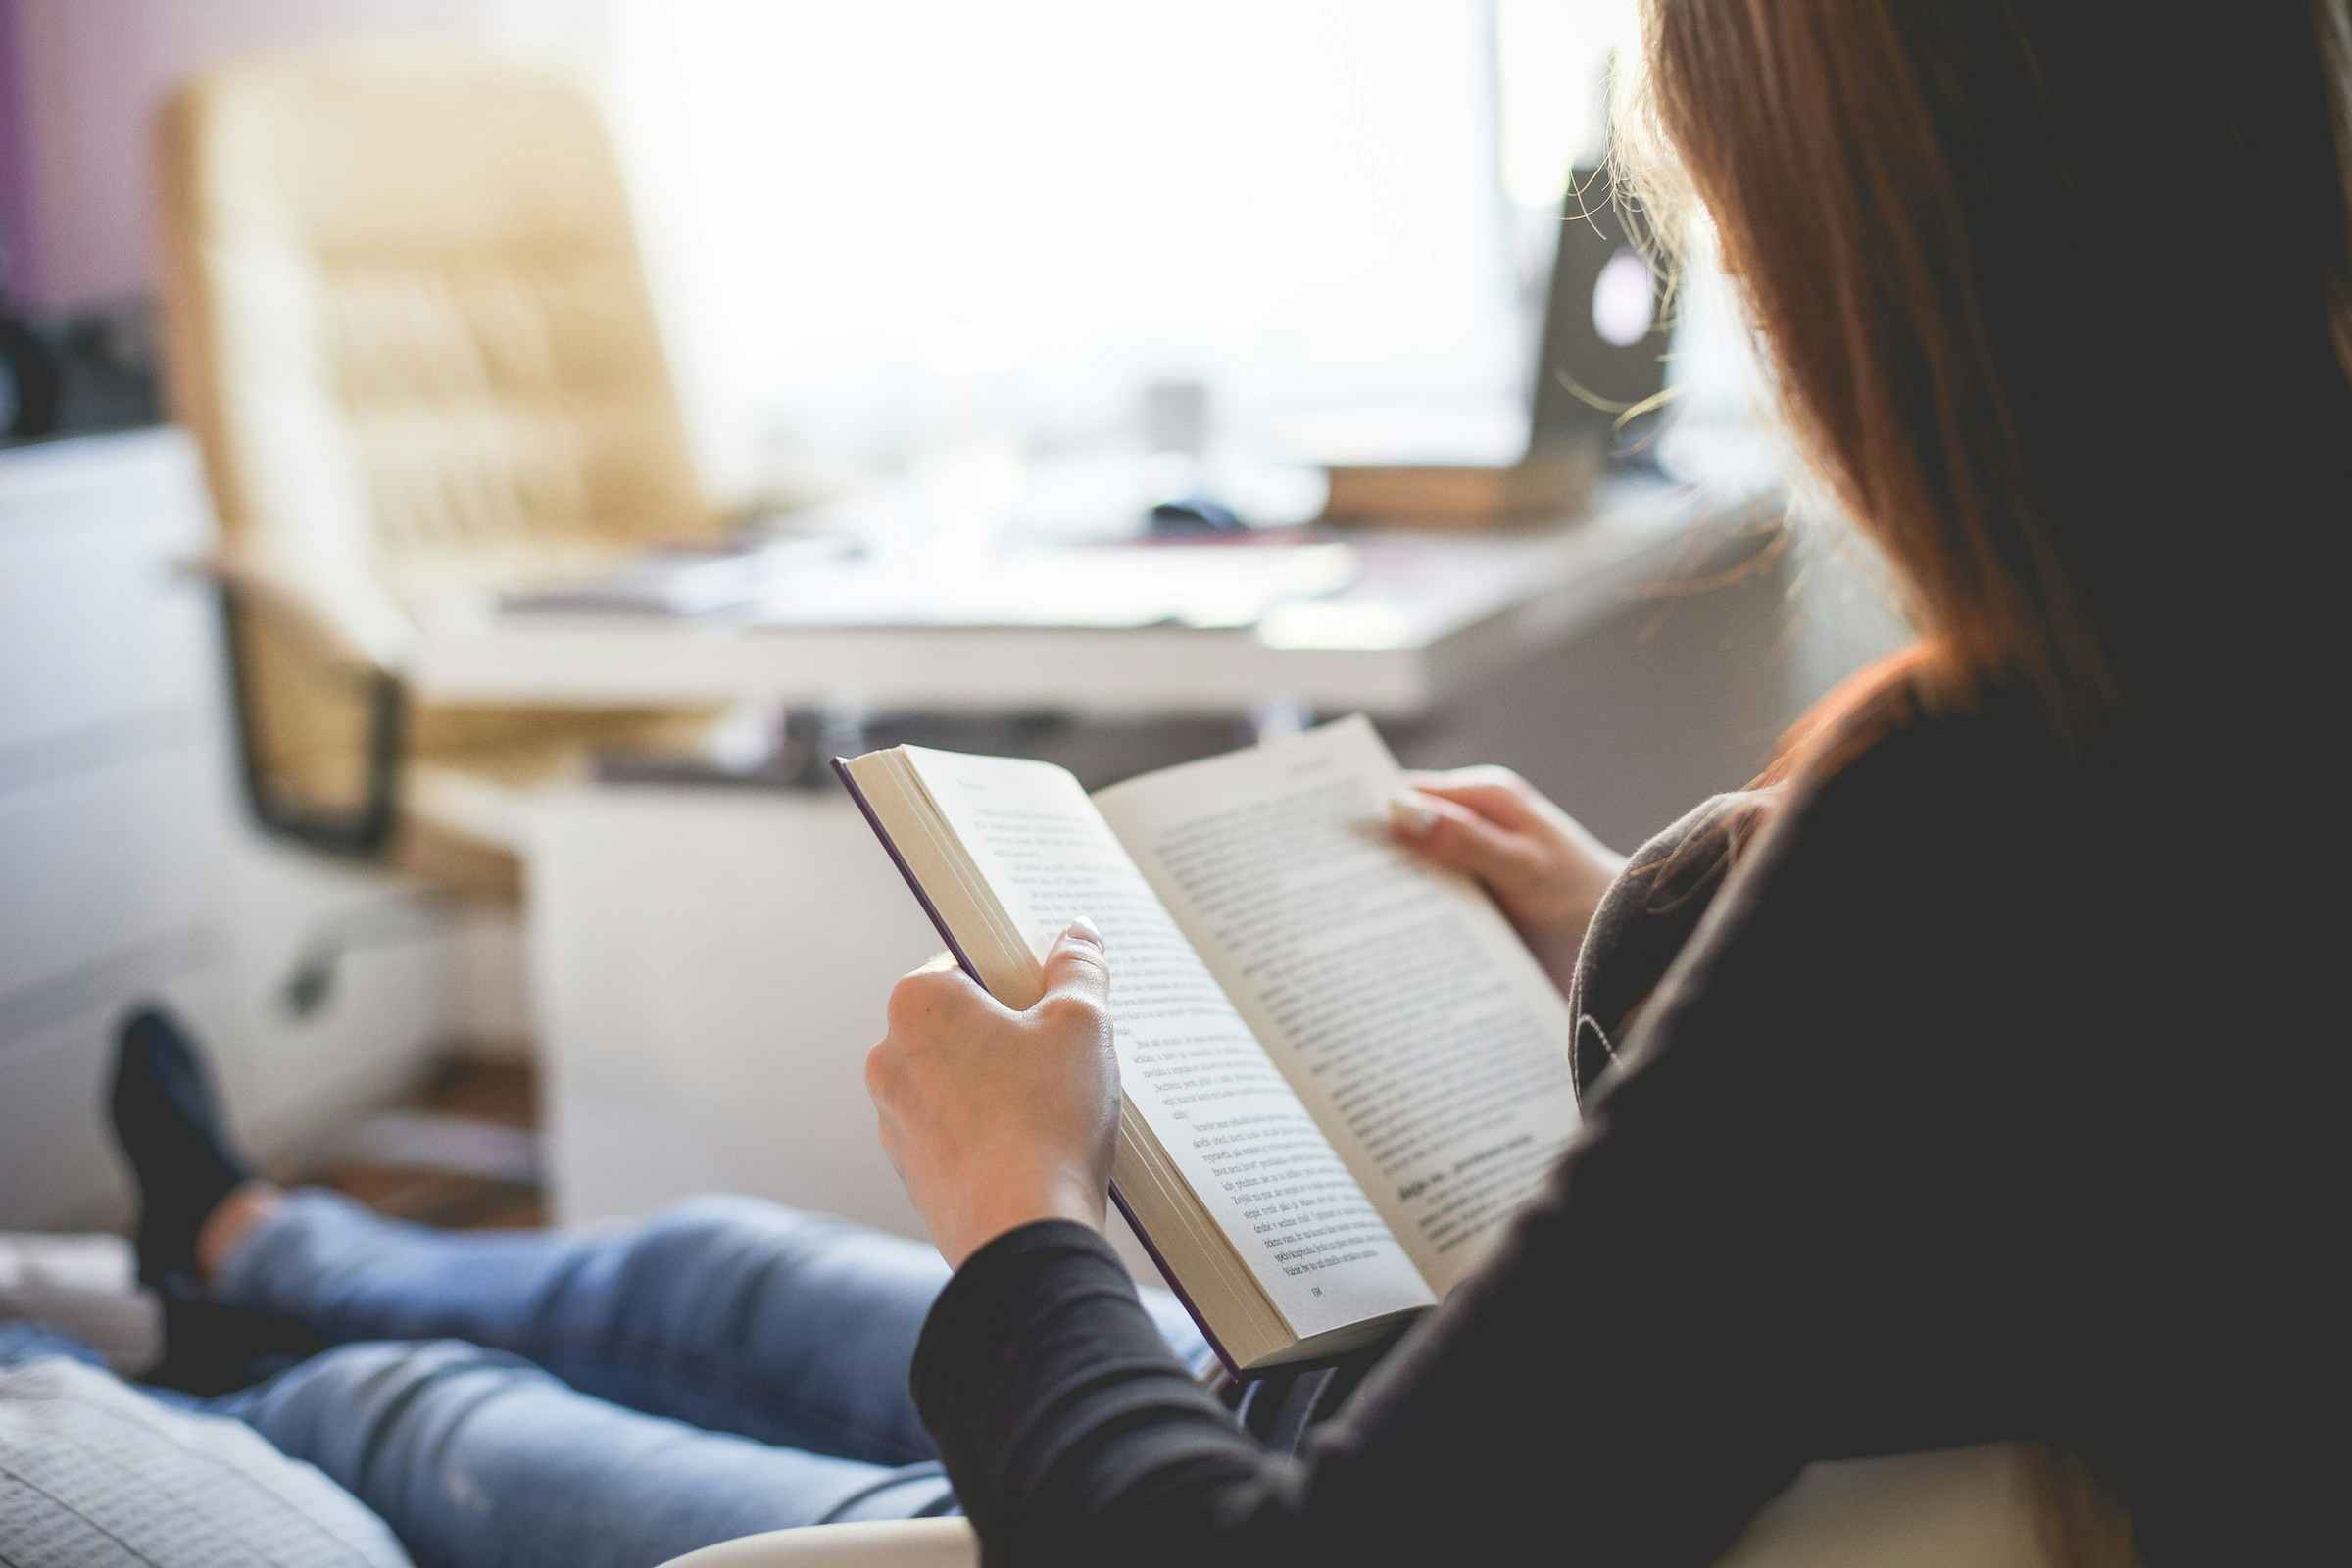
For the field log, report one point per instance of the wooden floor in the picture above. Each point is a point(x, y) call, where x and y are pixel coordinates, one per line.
point(460, 1154)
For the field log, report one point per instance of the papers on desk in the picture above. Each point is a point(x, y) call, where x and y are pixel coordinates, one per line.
point(1096, 588)
point(682, 581)
point(819, 583)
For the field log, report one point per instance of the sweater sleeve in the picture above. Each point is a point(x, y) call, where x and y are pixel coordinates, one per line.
point(1657, 1345)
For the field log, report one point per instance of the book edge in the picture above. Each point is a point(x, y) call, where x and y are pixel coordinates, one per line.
point(914, 885)
point(873, 820)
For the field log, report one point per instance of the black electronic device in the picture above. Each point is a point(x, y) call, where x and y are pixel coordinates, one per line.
point(1601, 362)
point(1597, 372)
point(74, 373)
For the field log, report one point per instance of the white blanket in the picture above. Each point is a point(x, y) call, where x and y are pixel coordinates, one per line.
point(84, 1286)
point(93, 1473)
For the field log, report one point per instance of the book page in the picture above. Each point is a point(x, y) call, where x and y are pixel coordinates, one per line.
point(1187, 1060)
point(1402, 1008)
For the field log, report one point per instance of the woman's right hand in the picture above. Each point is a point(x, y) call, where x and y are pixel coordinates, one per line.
point(1546, 871)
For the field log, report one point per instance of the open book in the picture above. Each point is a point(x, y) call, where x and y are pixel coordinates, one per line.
point(1342, 1071)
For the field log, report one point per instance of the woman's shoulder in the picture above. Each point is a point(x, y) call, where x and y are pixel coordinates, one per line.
point(1903, 842)
point(1647, 917)
point(1971, 796)
point(1926, 876)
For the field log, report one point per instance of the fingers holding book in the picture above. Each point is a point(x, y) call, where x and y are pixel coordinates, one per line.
point(996, 1118)
point(1078, 975)
point(1540, 864)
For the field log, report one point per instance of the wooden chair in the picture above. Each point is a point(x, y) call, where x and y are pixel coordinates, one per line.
point(408, 324)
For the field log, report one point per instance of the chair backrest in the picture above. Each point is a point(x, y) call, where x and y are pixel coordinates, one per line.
point(409, 322)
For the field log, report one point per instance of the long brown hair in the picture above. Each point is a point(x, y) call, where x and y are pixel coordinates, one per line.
point(2058, 298)
point(2055, 295)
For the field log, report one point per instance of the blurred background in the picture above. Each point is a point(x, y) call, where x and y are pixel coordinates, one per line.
point(468, 462)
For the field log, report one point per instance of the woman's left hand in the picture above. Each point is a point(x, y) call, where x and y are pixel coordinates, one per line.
point(994, 1119)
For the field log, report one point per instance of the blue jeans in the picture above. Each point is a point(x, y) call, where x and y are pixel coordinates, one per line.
point(603, 1398)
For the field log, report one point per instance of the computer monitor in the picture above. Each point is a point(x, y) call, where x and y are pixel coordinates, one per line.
point(1603, 347)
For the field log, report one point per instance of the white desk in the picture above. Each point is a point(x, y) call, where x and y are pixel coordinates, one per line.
point(1428, 615)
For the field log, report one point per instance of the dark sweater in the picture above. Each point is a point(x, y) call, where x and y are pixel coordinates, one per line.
point(1898, 1157)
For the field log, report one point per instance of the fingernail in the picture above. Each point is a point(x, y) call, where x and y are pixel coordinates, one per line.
point(1411, 814)
point(1085, 930)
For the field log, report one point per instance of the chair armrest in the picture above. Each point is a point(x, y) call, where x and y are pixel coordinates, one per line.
point(892, 1543)
point(345, 628)
point(360, 646)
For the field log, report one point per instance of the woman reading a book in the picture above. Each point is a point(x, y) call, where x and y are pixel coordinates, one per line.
point(1900, 1073)
point(1931, 1092)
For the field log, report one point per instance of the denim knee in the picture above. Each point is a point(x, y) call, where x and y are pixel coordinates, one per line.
point(369, 1360)
point(704, 1240)
point(717, 1216)
point(350, 1378)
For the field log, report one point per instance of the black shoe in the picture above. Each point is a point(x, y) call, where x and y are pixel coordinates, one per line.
point(167, 1122)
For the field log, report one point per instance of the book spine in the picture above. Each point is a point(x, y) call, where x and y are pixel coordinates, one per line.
point(890, 847)
point(1175, 1284)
